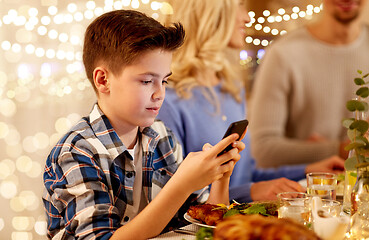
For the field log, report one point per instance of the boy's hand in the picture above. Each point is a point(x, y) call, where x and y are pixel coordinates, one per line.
point(200, 169)
point(238, 145)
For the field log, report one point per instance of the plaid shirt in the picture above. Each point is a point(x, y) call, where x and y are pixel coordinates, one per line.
point(89, 176)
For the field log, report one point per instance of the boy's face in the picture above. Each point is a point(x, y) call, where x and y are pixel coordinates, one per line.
point(136, 95)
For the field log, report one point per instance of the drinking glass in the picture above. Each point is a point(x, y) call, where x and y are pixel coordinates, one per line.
point(327, 220)
point(323, 185)
point(332, 207)
point(294, 205)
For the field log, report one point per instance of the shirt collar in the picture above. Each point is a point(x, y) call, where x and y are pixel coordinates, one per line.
point(105, 132)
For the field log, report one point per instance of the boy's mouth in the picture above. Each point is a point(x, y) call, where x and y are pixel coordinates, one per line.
point(154, 109)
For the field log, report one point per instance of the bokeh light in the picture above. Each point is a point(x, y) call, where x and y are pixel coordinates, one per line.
point(23, 223)
point(2, 224)
point(41, 81)
point(40, 227)
point(8, 189)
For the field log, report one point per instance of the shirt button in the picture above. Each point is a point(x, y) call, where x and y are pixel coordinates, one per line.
point(163, 172)
point(126, 219)
point(129, 174)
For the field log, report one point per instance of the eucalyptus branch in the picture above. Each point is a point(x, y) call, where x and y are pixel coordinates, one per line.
point(357, 127)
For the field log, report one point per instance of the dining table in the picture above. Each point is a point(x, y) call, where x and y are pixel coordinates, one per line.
point(189, 233)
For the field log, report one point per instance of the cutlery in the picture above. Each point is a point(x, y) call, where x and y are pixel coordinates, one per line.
point(184, 231)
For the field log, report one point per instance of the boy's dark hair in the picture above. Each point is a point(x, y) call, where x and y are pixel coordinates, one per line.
point(117, 38)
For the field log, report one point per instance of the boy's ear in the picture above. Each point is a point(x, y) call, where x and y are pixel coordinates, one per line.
point(101, 81)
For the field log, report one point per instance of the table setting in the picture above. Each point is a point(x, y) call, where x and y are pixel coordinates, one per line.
point(318, 211)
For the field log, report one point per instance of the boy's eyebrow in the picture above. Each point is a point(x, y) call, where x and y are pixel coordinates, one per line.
point(155, 74)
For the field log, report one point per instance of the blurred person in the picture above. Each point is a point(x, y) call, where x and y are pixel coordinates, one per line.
point(119, 173)
point(302, 86)
point(205, 95)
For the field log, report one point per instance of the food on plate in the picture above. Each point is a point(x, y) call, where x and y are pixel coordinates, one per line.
point(211, 214)
point(204, 233)
point(262, 208)
point(250, 227)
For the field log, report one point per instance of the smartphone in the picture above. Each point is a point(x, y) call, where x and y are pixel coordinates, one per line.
point(239, 127)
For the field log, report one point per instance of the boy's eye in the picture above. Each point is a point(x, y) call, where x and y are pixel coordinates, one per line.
point(146, 81)
point(165, 81)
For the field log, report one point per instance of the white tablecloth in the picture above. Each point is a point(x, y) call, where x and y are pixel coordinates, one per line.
point(179, 236)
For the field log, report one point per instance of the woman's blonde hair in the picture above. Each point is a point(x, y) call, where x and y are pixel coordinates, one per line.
point(209, 26)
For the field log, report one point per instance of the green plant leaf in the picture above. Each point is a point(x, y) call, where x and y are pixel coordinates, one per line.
point(357, 127)
point(359, 81)
point(361, 125)
point(365, 106)
point(231, 212)
point(362, 139)
point(255, 209)
point(204, 233)
point(346, 122)
point(363, 92)
point(356, 105)
point(352, 134)
point(350, 163)
point(354, 145)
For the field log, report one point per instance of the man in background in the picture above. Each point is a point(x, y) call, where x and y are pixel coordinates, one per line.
point(302, 86)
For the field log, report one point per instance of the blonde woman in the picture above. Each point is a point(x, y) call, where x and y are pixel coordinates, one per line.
point(205, 96)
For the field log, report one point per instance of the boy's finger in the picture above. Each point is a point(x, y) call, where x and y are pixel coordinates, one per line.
point(227, 166)
point(206, 146)
point(216, 149)
point(228, 156)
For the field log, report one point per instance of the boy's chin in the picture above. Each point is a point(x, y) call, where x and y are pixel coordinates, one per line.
point(146, 124)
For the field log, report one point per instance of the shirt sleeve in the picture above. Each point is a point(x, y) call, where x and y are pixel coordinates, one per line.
point(241, 193)
point(78, 199)
point(293, 172)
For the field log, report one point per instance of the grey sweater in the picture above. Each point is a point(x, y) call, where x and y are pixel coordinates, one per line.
point(301, 88)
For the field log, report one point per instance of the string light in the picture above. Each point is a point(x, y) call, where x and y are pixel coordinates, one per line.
point(46, 44)
point(263, 22)
point(73, 16)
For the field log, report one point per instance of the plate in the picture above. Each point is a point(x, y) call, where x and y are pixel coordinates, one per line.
point(303, 182)
point(196, 222)
point(339, 191)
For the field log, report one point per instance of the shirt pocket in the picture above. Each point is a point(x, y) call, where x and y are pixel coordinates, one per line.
point(161, 176)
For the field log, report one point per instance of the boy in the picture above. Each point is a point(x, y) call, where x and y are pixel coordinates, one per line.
point(103, 178)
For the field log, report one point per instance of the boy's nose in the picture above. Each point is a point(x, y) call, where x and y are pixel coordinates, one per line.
point(159, 93)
